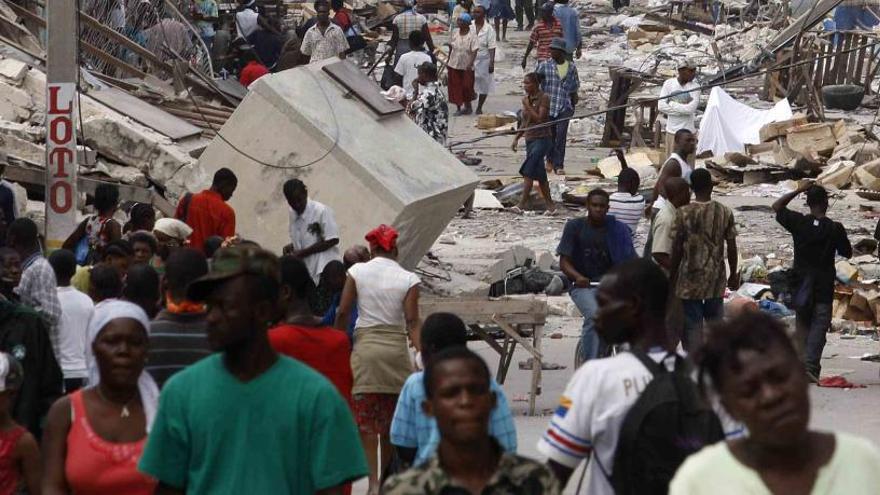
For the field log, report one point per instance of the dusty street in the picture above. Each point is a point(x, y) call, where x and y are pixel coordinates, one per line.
point(759, 235)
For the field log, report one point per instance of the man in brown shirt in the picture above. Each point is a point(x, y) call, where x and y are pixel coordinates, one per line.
point(702, 229)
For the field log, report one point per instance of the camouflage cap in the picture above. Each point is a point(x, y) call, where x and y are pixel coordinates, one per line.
point(232, 262)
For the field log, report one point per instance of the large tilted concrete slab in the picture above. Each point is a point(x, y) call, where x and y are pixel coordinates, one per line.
point(371, 169)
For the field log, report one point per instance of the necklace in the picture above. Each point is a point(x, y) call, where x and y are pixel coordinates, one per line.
point(125, 412)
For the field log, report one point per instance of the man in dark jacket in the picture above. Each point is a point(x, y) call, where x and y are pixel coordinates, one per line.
point(588, 249)
point(24, 334)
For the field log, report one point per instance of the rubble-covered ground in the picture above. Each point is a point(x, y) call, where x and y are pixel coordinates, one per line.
point(469, 245)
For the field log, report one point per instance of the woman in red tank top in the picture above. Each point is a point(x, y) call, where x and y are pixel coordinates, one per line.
point(19, 452)
point(95, 436)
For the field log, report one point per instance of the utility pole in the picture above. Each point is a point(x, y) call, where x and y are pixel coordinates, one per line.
point(61, 165)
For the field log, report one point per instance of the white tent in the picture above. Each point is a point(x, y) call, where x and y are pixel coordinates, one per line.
point(728, 125)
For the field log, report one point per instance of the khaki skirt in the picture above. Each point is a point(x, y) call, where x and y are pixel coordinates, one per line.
point(379, 360)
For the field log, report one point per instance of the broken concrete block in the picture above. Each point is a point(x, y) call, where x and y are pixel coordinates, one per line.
point(13, 71)
point(838, 175)
point(868, 175)
point(782, 153)
point(16, 104)
point(136, 146)
point(655, 155)
point(807, 138)
point(121, 173)
point(21, 149)
point(776, 129)
point(24, 131)
point(610, 167)
point(756, 149)
point(317, 134)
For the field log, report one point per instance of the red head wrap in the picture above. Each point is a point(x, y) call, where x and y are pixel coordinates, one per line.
point(382, 236)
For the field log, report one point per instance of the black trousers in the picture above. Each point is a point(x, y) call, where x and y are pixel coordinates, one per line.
point(529, 7)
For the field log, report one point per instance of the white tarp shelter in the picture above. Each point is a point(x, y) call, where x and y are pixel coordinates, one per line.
point(372, 164)
point(728, 125)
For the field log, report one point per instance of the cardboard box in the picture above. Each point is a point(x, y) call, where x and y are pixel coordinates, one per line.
point(777, 129)
point(811, 138)
point(492, 121)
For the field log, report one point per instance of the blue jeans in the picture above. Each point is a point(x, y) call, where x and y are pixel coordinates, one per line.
point(556, 154)
point(585, 300)
point(696, 312)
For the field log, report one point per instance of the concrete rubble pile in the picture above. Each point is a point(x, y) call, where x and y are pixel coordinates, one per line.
point(838, 154)
point(139, 133)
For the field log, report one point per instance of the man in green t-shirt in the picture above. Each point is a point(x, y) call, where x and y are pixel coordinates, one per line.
point(246, 420)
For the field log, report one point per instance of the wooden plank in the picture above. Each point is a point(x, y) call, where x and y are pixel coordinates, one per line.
point(507, 359)
point(349, 76)
point(841, 66)
point(477, 329)
point(536, 369)
point(829, 62)
point(819, 70)
point(480, 311)
point(149, 115)
point(860, 60)
point(514, 334)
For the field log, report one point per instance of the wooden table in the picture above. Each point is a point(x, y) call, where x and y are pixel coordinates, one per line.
point(512, 316)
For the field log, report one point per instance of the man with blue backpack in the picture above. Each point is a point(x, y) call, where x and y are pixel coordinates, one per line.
point(635, 416)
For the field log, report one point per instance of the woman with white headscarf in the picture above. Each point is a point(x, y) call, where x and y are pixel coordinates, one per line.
point(95, 436)
point(170, 234)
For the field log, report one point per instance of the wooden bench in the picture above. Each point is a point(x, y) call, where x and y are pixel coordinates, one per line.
point(513, 316)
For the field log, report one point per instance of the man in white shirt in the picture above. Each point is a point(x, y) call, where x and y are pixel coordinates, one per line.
point(632, 309)
point(627, 205)
point(76, 311)
point(325, 39)
point(314, 235)
point(247, 18)
point(681, 108)
point(408, 65)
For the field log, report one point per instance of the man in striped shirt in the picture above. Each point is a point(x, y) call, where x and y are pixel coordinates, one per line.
point(627, 205)
point(544, 33)
point(178, 334)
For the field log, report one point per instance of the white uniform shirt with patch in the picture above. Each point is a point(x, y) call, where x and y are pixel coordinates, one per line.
point(317, 223)
point(592, 410)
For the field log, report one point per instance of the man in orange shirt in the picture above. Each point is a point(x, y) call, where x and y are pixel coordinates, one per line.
point(207, 212)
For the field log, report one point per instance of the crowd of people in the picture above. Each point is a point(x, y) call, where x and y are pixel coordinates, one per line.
point(170, 356)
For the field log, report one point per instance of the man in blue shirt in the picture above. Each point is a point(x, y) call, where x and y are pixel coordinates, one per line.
point(588, 249)
point(414, 434)
point(571, 27)
point(560, 83)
